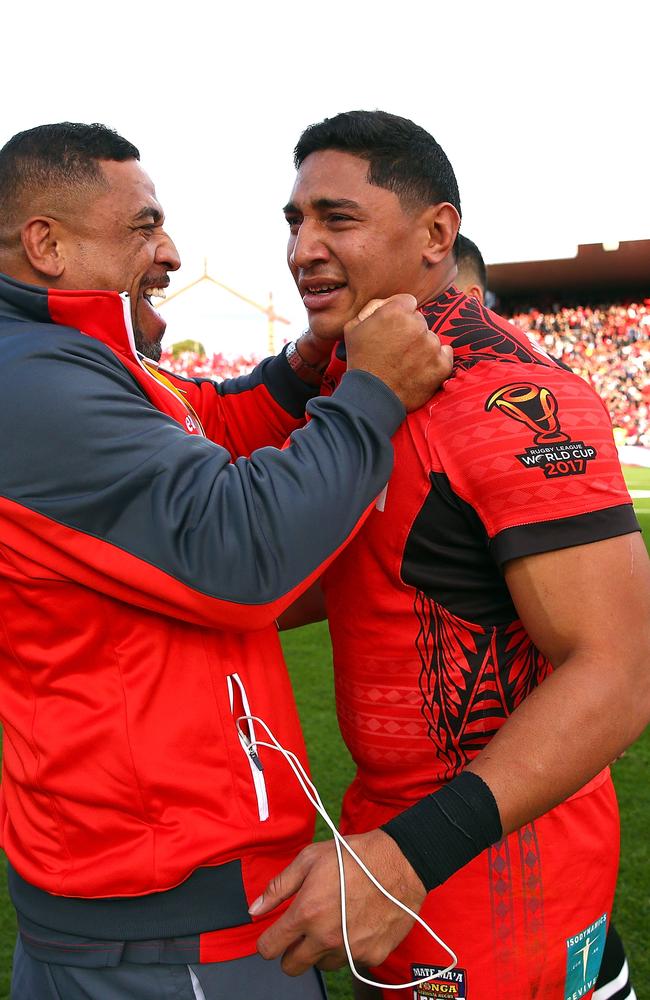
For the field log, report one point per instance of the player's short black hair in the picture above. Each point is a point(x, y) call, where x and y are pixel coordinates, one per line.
point(469, 258)
point(402, 156)
point(64, 154)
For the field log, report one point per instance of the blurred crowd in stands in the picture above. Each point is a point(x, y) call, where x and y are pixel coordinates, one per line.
point(607, 345)
point(197, 364)
point(610, 347)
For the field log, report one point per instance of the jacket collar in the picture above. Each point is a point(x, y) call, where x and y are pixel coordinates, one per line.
point(100, 314)
point(106, 316)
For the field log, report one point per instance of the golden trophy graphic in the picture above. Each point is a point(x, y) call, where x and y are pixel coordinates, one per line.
point(532, 405)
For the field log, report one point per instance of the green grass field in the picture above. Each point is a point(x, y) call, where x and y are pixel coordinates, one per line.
point(308, 654)
point(638, 481)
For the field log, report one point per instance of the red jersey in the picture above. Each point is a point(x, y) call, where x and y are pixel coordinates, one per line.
point(513, 456)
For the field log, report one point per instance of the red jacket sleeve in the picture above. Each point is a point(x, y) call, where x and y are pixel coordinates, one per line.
point(249, 412)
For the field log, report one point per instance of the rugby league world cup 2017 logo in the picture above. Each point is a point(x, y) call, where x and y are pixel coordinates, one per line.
point(536, 407)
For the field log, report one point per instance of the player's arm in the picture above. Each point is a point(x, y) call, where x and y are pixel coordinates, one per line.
point(262, 408)
point(309, 608)
point(587, 608)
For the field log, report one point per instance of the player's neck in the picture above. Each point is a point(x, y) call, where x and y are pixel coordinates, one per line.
point(439, 279)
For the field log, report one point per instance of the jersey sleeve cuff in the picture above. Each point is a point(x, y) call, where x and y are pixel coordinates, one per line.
point(563, 532)
point(288, 390)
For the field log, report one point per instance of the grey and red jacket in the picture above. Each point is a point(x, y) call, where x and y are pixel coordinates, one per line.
point(142, 566)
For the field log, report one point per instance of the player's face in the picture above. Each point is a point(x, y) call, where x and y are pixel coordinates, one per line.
point(350, 241)
point(118, 243)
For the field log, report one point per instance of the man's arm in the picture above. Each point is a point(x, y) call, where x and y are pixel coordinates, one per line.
point(588, 609)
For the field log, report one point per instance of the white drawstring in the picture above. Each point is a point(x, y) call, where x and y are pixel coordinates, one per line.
point(314, 798)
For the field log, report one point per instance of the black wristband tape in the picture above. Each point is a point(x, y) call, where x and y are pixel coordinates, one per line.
point(442, 832)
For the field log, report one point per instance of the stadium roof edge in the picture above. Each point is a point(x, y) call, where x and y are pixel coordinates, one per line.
point(593, 269)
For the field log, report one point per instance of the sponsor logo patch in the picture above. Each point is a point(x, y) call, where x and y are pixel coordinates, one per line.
point(443, 985)
point(584, 952)
point(552, 450)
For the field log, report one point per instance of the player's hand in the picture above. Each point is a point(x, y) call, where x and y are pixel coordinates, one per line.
point(309, 932)
point(315, 350)
point(390, 339)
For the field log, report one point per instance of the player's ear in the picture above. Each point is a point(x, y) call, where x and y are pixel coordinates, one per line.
point(443, 222)
point(476, 291)
point(42, 246)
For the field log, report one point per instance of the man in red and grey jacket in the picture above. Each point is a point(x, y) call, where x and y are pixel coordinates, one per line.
point(148, 540)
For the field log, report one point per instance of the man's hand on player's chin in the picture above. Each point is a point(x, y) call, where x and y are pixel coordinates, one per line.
point(309, 932)
point(390, 339)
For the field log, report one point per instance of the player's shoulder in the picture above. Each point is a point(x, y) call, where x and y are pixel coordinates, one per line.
point(479, 336)
point(491, 352)
point(474, 394)
point(494, 401)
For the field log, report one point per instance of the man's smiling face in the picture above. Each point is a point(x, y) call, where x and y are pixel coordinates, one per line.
point(350, 241)
point(118, 243)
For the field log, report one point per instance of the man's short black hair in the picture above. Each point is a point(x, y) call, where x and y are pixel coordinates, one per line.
point(61, 155)
point(402, 156)
point(470, 260)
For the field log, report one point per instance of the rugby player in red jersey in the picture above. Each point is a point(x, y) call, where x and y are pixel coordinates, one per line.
point(489, 623)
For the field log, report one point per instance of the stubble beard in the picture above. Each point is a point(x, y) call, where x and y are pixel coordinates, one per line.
point(147, 348)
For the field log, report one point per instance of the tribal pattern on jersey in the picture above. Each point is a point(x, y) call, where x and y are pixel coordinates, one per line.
point(471, 679)
point(477, 334)
point(518, 940)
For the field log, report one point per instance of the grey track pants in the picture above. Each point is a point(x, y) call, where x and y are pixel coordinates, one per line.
point(240, 979)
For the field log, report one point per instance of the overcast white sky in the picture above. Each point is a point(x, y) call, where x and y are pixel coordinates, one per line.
point(542, 108)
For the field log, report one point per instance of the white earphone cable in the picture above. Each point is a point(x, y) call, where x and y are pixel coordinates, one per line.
point(314, 798)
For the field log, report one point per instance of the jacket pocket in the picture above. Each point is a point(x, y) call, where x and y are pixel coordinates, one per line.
point(239, 706)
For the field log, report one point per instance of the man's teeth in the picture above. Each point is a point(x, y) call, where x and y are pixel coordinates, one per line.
point(154, 293)
point(323, 288)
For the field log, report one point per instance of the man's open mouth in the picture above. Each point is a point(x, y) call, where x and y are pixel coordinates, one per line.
point(146, 317)
point(318, 294)
point(153, 292)
point(320, 289)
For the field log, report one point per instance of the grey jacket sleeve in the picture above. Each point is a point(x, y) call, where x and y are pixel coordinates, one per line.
point(122, 497)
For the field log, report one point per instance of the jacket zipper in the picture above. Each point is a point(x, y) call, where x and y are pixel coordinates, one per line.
point(246, 732)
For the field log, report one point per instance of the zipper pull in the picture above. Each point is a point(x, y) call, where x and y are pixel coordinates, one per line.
point(252, 752)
